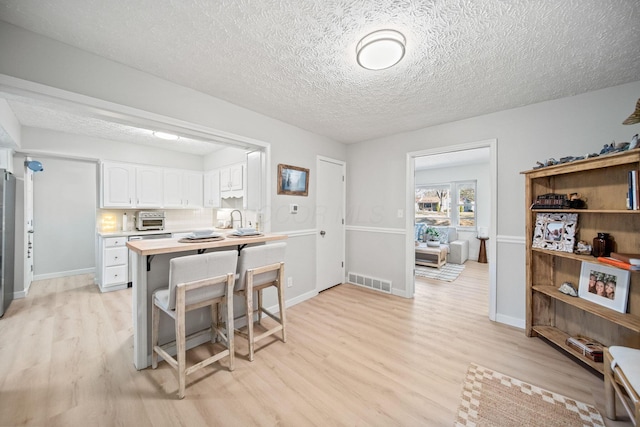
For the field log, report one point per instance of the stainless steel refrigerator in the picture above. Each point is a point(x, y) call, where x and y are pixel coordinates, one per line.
point(7, 238)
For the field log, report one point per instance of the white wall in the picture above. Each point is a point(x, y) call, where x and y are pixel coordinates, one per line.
point(569, 126)
point(481, 174)
point(64, 195)
point(34, 58)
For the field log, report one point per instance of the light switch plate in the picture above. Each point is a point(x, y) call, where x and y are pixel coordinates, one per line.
point(293, 209)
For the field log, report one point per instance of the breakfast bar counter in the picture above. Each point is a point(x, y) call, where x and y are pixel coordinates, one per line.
point(150, 266)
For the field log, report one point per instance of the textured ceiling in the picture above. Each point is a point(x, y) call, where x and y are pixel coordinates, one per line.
point(294, 60)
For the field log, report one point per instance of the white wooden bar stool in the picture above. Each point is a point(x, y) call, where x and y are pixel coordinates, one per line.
point(260, 267)
point(622, 378)
point(195, 281)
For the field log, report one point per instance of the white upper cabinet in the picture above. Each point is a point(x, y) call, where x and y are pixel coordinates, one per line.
point(182, 189)
point(212, 189)
point(173, 188)
point(149, 186)
point(232, 180)
point(118, 189)
point(193, 189)
point(124, 185)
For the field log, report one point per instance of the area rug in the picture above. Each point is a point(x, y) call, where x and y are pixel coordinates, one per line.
point(448, 272)
point(490, 398)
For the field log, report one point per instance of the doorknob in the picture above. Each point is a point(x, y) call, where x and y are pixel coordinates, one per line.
point(322, 233)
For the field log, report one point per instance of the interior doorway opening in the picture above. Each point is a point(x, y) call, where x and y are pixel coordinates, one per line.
point(444, 172)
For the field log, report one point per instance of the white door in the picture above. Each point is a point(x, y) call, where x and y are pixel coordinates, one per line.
point(330, 223)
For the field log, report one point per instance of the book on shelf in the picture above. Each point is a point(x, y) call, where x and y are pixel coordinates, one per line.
point(587, 347)
point(617, 263)
point(633, 259)
point(633, 198)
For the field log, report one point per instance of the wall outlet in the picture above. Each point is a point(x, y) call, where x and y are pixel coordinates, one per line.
point(400, 213)
point(289, 282)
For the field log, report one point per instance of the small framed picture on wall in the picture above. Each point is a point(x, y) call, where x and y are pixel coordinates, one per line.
point(293, 180)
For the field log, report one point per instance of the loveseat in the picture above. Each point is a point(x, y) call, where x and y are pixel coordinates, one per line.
point(457, 250)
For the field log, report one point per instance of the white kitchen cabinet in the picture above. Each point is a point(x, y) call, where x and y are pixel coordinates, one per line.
point(149, 186)
point(125, 185)
point(118, 189)
point(182, 189)
point(193, 189)
point(113, 263)
point(232, 180)
point(212, 189)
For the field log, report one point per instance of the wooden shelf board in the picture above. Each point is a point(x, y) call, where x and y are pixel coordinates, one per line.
point(626, 320)
point(589, 211)
point(559, 338)
point(609, 160)
point(571, 255)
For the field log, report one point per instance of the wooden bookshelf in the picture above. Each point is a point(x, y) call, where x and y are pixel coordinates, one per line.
point(603, 182)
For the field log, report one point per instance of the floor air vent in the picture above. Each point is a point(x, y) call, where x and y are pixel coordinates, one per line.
point(370, 282)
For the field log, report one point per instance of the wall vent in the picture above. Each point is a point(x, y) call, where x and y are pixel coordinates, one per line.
point(370, 282)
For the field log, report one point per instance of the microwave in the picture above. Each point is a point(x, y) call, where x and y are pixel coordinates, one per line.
point(146, 220)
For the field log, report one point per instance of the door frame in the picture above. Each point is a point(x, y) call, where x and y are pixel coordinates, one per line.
point(344, 213)
point(410, 216)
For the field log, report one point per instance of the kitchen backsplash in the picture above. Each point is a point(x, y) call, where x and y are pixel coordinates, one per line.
point(112, 219)
point(108, 220)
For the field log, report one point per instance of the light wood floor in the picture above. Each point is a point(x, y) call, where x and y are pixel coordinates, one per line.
point(354, 357)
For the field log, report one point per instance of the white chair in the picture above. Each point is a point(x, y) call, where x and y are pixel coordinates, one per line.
point(260, 267)
point(195, 281)
point(622, 378)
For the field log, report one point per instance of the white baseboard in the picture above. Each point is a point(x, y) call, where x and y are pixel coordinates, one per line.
point(55, 275)
point(511, 321)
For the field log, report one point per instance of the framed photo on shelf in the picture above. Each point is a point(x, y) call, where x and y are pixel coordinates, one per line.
point(606, 286)
point(556, 232)
point(293, 180)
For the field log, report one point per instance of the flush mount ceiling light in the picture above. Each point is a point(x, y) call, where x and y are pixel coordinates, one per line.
point(167, 136)
point(380, 49)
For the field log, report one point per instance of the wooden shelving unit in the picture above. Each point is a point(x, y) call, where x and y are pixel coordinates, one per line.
point(552, 314)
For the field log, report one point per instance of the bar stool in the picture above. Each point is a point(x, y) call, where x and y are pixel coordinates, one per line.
point(622, 377)
point(260, 267)
point(195, 281)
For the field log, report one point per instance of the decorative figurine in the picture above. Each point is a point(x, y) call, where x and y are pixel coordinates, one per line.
point(583, 248)
point(568, 289)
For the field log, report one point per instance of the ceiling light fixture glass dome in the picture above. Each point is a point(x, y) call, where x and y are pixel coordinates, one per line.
point(166, 135)
point(380, 49)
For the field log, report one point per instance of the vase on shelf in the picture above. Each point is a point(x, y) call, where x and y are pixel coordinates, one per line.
point(602, 245)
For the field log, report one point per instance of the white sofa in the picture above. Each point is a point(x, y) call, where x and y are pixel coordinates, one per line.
point(457, 250)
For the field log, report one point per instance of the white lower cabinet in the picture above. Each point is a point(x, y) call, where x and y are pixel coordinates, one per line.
point(113, 263)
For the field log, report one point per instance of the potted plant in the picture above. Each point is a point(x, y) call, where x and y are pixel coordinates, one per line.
point(432, 236)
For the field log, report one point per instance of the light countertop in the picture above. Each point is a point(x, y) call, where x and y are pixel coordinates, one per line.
point(120, 233)
point(172, 245)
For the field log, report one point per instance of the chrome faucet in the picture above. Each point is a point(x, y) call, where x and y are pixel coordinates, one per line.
point(233, 221)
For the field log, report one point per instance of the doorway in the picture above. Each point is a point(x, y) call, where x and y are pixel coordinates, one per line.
point(452, 152)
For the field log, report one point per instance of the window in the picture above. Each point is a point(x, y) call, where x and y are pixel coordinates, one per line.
point(466, 204)
point(447, 204)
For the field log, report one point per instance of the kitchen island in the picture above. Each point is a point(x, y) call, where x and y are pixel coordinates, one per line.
point(150, 268)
